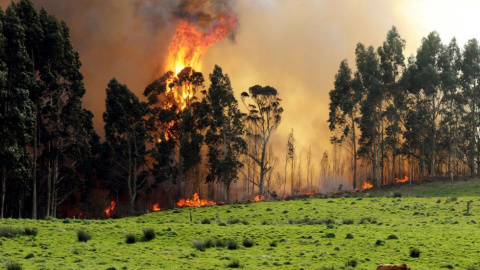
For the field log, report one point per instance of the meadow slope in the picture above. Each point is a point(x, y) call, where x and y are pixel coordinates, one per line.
point(307, 233)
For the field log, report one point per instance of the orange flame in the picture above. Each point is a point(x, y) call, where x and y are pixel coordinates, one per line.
point(189, 45)
point(259, 198)
point(309, 193)
point(366, 185)
point(108, 211)
point(402, 180)
point(194, 202)
point(156, 208)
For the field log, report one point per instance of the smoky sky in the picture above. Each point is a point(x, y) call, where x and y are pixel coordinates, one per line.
point(293, 46)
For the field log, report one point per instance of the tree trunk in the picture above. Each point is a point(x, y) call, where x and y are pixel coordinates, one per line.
point(34, 169)
point(354, 155)
point(49, 185)
point(432, 163)
point(4, 181)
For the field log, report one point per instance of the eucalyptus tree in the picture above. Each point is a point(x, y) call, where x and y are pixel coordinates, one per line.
point(263, 117)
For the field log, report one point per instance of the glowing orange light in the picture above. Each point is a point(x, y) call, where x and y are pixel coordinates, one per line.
point(259, 198)
point(194, 202)
point(156, 207)
point(309, 193)
point(108, 211)
point(366, 185)
point(405, 179)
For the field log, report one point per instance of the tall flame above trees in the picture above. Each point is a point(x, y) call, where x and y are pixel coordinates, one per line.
point(262, 120)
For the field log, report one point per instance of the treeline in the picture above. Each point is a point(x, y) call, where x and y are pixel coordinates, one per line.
point(415, 117)
point(183, 139)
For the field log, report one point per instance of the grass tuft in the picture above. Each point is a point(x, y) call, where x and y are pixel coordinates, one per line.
point(130, 238)
point(83, 236)
point(235, 263)
point(148, 233)
point(200, 245)
point(414, 252)
point(247, 242)
point(11, 265)
point(232, 244)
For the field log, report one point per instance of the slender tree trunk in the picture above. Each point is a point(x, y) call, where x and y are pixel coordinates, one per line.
point(354, 156)
point(285, 182)
point(4, 181)
point(432, 163)
point(49, 184)
point(34, 170)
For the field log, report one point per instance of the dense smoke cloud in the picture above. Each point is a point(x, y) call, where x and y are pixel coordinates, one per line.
point(294, 46)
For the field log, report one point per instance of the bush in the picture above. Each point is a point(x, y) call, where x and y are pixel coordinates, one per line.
point(83, 236)
point(414, 252)
point(148, 233)
point(199, 245)
point(352, 263)
point(329, 235)
point(348, 221)
point(205, 221)
point(380, 242)
point(392, 237)
point(29, 255)
point(30, 231)
point(368, 220)
point(247, 242)
point(273, 244)
point(234, 264)
point(11, 265)
point(232, 244)
point(397, 195)
point(349, 236)
point(130, 238)
point(8, 232)
point(67, 220)
point(219, 243)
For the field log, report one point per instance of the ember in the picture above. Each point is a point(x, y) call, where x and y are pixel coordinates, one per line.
point(108, 211)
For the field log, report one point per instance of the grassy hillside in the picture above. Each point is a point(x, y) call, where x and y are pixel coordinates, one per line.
point(355, 232)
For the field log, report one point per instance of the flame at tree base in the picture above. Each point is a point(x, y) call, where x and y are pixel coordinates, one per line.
point(402, 180)
point(194, 202)
point(108, 211)
point(259, 198)
point(366, 186)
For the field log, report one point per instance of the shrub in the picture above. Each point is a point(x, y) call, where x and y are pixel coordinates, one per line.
point(8, 232)
point(349, 236)
point(29, 255)
point(348, 221)
point(392, 237)
point(149, 233)
point(205, 221)
point(366, 220)
point(112, 268)
point(273, 244)
point(130, 238)
point(232, 244)
point(329, 235)
point(234, 264)
point(219, 243)
point(247, 242)
point(451, 199)
point(83, 236)
point(414, 252)
point(30, 231)
point(233, 221)
point(67, 220)
point(380, 242)
point(11, 265)
point(352, 263)
point(199, 245)
point(397, 194)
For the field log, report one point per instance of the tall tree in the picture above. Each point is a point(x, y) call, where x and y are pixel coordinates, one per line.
point(392, 63)
point(344, 109)
point(264, 115)
point(16, 116)
point(224, 136)
point(126, 134)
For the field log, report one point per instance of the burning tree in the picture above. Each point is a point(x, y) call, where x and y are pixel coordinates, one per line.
point(263, 117)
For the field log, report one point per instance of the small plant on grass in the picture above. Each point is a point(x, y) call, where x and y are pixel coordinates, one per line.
point(8, 232)
point(234, 264)
point(352, 263)
point(29, 255)
point(349, 236)
point(329, 235)
point(392, 237)
point(199, 245)
point(83, 236)
point(348, 221)
point(205, 221)
point(247, 242)
point(130, 238)
point(30, 231)
point(273, 243)
point(232, 244)
point(11, 265)
point(414, 252)
point(397, 194)
point(148, 233)
point(380, 242)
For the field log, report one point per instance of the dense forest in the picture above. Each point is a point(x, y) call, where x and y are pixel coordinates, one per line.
point(395, 117)
point(53, 162)
point(417, 119)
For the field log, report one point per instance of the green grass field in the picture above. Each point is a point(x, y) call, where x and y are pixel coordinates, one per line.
point(308, 233)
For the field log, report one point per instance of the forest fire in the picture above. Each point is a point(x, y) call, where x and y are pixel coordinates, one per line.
point(194, 202)
point(156, 208)
point(366, 186)
point(259, 198)
point(405, 179)
point(108, 211)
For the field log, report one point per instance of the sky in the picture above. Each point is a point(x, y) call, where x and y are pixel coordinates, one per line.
point(293, 46)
